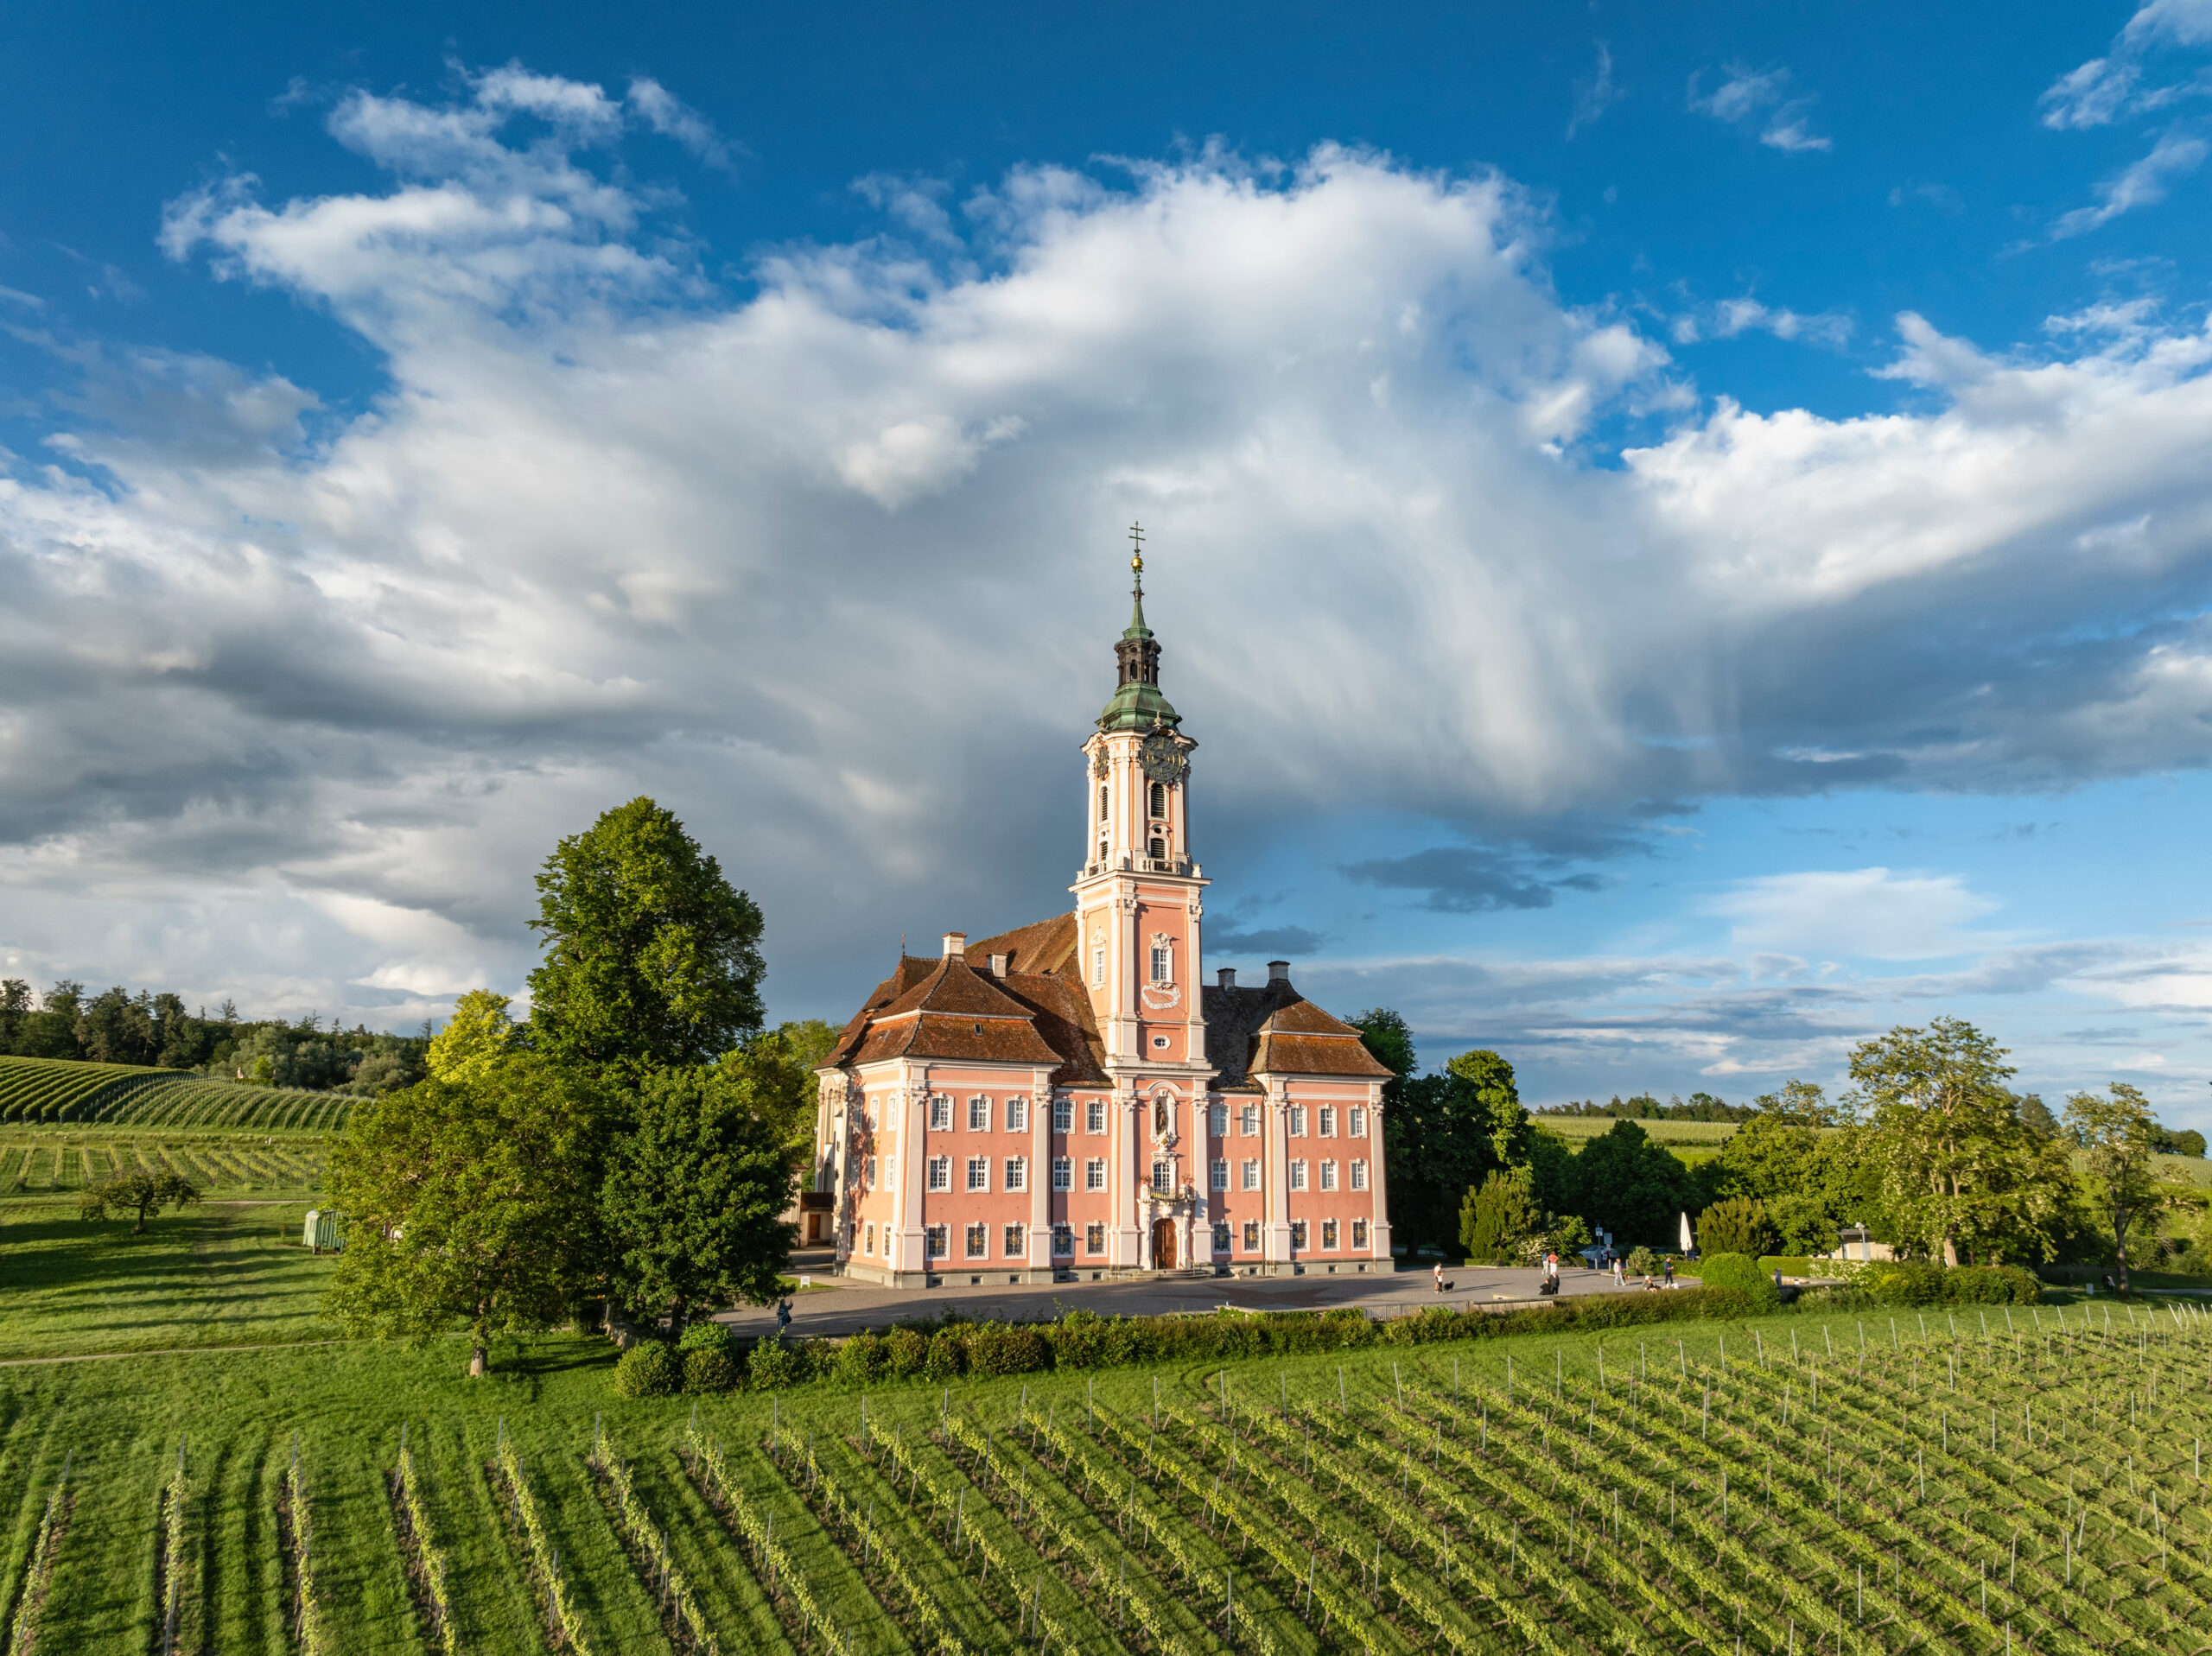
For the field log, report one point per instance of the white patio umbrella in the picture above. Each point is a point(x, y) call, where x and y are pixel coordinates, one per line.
point(1689, 1241)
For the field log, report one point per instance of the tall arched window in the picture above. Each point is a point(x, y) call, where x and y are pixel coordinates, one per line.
point(1158, 799)
point(1101, 804)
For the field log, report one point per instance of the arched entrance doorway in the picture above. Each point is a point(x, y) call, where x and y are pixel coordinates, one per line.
point(1163, 1244)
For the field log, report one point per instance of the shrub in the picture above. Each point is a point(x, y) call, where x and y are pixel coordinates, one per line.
point(863, 1358)
point(904, 1351)
point(1496, 1219)
point(650, 1368)
point(1963, 1285)
point(1642, 1261)
point(994, 1348)
point(708, 1335)
point(942, 1362)
point(1737, 1226)
point(1738, 1273)
point(776, 1363)
point(1080, 1339)
point(709, 1369)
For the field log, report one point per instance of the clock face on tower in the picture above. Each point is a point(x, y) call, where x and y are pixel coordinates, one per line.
point(1160, 756)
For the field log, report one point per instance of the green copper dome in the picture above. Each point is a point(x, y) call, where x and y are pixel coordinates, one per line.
point(1137, 703)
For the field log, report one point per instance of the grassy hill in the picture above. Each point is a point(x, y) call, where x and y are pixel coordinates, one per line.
point(64, 1089)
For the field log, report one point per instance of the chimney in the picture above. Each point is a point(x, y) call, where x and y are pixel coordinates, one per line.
point(955, 945)
point(1279, 971)
point(1228, 977)
point(998, 965)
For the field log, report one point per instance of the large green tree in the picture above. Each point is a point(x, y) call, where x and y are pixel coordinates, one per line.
point(470, 1203)
point(1633, 1188)
point(2119, 1137)
point(652, 959)
point(1812, 1183)
point(696, 1190)
point(1441, 1133)
point(1962, 1171)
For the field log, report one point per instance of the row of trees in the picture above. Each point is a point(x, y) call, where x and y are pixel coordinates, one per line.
point(116, 1026)
point(635, 1141)
point(1700, 1107)
point(1931, 1151)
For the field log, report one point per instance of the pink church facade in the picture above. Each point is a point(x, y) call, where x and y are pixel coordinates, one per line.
point(1066, 1102)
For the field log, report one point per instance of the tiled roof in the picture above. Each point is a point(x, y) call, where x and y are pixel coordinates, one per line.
point(1275, 1031)
point(1047, 946)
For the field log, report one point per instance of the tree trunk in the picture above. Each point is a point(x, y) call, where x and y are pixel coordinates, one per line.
point(479, 1361)
point(2120, 1248)
point(1950, 1248)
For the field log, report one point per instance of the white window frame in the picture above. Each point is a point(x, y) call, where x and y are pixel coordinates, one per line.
point(1063, 1115)
point(1063, 1172)
point(1017, 1115)
point(1098, 954)
point(1359, 1233)
point(1013, 1241)
point(1358, 1126)
point(1163, 1177)
point(940, 1112)
point(940, 1173)
point(975, 1238)
point(1251, 1172)
point(1328, 1175)
point(979, 1114)
point(1298, 1121)
point(1094, 1173)
point(1217, 1119)
point(1298, 1175)
point(1094, 1241)
point(1094, 1115)
point(1017, 1172)
point(1328, 1122)
point(1251, 1236)
point(870, 1173)
point(1298, 1235)
point(1163, 962)
point(1359, 1176)
point(936, 1239)
point(1329, 1234)
point(1221, 1172)
point(1248, 1121)
point(1221, 1243)
point(1063, 1241)
point(979, 1174)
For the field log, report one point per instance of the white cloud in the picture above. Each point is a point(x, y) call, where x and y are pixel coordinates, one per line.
point(1746, 96)
point(2141, 184)
point(1858, 914)
point(2100, 91)
point(833, 567)
point(1593, 97)
point(1731, 317)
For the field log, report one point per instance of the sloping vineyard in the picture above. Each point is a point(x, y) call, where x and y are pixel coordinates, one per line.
point(55, 1161)
point(2030, 1481)
point(62, 1089)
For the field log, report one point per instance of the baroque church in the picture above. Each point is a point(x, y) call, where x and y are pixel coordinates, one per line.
point(1066, 1102)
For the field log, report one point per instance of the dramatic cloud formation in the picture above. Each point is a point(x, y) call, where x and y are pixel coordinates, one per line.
point(831, 564)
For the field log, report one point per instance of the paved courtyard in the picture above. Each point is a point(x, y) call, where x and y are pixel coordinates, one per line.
point(841, 1305)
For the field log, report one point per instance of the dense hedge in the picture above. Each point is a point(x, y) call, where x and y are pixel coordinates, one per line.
point(1892, 1284)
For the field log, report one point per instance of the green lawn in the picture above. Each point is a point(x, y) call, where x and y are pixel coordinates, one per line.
point(216, 1274)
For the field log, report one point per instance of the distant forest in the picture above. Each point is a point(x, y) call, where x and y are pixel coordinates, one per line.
point(1700, 1107)
point(116, 1026)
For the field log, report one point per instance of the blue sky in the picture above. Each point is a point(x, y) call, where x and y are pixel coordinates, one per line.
point(1683, 533)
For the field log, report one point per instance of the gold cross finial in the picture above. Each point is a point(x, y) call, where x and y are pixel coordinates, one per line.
point(1137, 540)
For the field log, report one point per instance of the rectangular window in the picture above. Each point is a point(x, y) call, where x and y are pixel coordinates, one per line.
point(1094, 1173)
point(1247, 1121)
point(1298, 1176)
point(1358, 1122)
point(1298, 1235)
point(1359, 1233)
point(1220, 1174)
point(871, 1175)
point(934, 1241)
point(1017, 1241)
point(1251, 1236)
point(1298, 1121)
point(1163, 1176)
point(1094, 1116)
point(1328, 1233)
point(1094, 1240)
point(979, 1115)
point(1159, 967)
point(1328, 1122)
point(1218, 1120)
point(1221, 1236)
point(979, 1172)
point(1063, 1241)
point(940, 1115)
point(1359, 1176)
point(979, 1241)
point(1017, 1172)
point(940, 1172)
point(1063, 1173)
point(1099, 958)
point(869, 1246)
point(1252, 1173)
point(1328, 1176)
point(1017, 1115)
point(1063, 1114)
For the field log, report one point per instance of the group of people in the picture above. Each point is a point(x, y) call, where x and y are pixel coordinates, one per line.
point(1614, 1263)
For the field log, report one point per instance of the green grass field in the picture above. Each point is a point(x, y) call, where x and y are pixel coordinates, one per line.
point(1579, 1130)
point(1809, 1483)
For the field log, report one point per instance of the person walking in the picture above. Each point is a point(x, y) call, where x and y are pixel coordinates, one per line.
point(1670, 1271)
point(1437, 1277)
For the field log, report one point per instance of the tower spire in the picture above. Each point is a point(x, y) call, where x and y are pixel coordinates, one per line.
point(1137, 703)
point(1137, 629)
